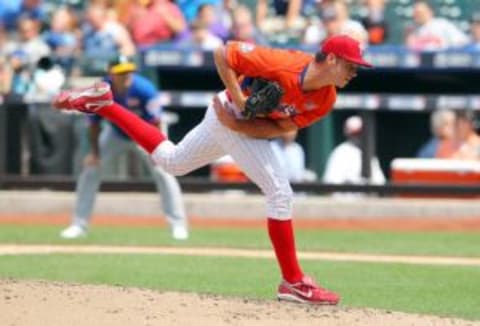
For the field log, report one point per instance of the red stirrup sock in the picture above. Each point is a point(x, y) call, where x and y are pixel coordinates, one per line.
point(283, 241)
point(143, 133)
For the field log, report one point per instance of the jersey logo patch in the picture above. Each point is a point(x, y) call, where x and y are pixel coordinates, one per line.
point(284, 110)
point(247, 47)
point(310, 106)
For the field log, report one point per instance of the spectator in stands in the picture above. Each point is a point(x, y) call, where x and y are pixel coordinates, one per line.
point(34, 9)
point(155, 21)
point(103, 37)
point(49, 134)
point(8, 9)
point(11, 11)
point(202, 37)
point(374, 21)
point(21, 73)
point(5, 76)
point(62, 37)
point(225, 10)
point(287, 16)
point(23, 54)
point(442, 143)
point(291, 156)
point(207, 15)
point(7, 46)
point(30, 41)
point(335, 19)
point(467, 136)
point(189, 8)
point(243, 27)
point(47, 80)
point(432, 33)
point(116, 10)
point(122, 10)
point(344, 165)
point(474, 44)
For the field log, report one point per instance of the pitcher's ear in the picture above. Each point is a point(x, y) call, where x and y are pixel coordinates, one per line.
point(320, 57)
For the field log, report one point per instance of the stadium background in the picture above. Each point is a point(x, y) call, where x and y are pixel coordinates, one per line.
point(396, 99)
point(398, 120)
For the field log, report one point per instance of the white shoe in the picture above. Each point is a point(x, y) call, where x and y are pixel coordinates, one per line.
point(179, 232)
point(73, 232)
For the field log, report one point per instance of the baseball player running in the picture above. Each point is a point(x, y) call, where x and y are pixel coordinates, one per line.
point(240, 123)
point(108, 142)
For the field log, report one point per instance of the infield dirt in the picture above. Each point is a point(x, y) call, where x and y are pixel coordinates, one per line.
point(47, 303)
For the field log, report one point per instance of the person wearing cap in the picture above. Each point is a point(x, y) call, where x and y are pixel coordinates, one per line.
point(309, 83)
point(344, 164)
point(108, 143)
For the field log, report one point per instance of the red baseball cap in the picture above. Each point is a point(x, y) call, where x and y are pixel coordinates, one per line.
point(345, 47)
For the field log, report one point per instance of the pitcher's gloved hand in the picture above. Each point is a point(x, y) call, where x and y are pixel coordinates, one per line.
point(264, 98)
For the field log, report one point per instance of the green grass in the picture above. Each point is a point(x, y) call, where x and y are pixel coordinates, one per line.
point(445, 291)
point(441, 290)
point(465, 244)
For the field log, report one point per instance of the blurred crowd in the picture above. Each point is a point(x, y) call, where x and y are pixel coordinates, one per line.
point(49, 40)
point(454, 136)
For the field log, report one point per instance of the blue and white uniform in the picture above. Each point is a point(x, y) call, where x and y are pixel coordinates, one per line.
point(143, 98)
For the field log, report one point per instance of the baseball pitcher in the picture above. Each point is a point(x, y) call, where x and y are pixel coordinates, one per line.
point(299, 90)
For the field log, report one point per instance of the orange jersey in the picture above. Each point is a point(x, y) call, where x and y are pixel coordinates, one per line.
point(287, 68)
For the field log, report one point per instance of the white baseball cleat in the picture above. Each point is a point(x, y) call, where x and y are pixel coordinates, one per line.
point(73, 232)
point(179, 232)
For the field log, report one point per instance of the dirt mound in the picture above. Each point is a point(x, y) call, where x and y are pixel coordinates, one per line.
point(48, 303)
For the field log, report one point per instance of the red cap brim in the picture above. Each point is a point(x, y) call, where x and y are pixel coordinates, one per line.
point(360, 62)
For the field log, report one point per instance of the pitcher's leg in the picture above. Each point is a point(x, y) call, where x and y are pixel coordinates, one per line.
point(198, 148)
point(143, 133)
point(258, 161)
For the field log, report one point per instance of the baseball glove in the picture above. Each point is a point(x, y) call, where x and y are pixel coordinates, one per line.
point(264, 98)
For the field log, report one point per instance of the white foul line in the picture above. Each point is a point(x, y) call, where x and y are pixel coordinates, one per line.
point(231, 252)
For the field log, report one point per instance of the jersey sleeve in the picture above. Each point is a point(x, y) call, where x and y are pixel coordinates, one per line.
point(253, 61)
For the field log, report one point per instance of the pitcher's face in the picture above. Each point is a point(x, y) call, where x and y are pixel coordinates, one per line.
point(345, 71)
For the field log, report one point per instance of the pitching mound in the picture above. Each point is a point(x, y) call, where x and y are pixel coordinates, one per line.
point(48, 303)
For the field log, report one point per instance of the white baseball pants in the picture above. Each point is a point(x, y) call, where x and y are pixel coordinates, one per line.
point(210, 140)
